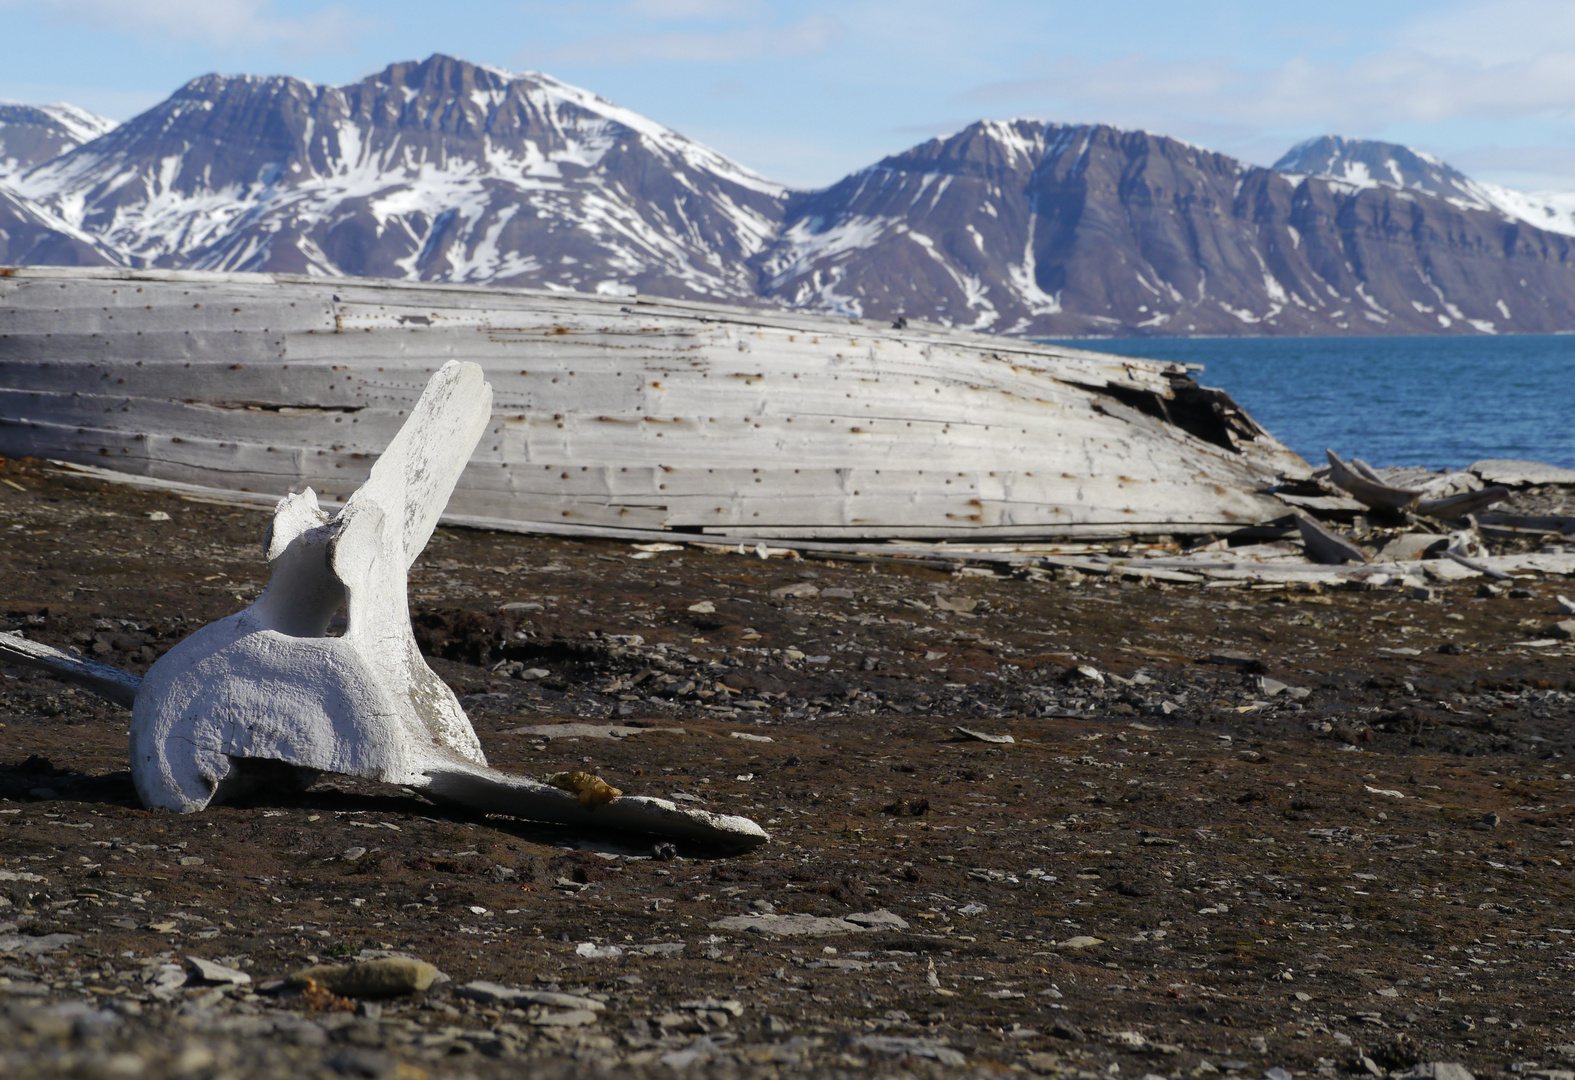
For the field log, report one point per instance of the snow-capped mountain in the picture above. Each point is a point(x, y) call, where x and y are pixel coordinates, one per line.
point(29, 136)
point(32, 134)
point(1040, 229)
point(1368, 163)
point(30, 234)
point(449, 171)
point(947, 231)
point(435, 170)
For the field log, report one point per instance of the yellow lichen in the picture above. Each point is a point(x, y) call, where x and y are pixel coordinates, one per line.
point(592, 790)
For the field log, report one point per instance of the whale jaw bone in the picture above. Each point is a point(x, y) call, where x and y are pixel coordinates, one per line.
point(263, 697)
point(266, 684)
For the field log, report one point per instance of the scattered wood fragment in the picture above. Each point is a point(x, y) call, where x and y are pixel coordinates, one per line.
point(983, 736)
point(582, 730)
point(1456, 507)
point(1324, 546)
point(1366, 488)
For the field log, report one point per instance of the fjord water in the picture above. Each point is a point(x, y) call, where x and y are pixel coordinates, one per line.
point(1434, 401)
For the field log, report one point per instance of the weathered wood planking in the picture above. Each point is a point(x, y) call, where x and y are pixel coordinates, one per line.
point(623, 412)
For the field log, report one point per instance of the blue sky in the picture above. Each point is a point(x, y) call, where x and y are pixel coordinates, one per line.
point(807, 91)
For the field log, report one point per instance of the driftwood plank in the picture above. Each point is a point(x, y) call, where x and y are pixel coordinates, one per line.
point(1456, 507)
point(1365, 489)
point(1530, 522)
point(1324, 546)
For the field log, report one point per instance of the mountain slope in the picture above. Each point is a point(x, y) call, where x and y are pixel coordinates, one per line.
point(1048, 229)
point(32, 134)
point(1369, 163)
point(440, 170)
point(30, 235)
point(448, 171)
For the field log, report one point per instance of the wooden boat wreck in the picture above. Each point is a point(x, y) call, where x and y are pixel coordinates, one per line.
point(619, 415)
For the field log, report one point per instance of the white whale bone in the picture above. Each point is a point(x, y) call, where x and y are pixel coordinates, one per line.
point(262, 697)
point(501, 793)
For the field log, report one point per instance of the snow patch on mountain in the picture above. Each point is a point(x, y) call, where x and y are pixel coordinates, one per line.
point(439, 170)
point(1366, 163)
point(32, 134)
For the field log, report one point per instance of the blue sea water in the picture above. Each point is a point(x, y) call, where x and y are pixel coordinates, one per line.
point(1434, 401)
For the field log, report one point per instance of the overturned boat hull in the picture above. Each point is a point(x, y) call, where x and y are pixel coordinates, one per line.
point(624, 413)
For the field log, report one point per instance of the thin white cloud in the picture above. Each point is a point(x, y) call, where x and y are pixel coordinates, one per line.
point(229, 23)
point(678, 10)
point(1396, 86)
point(1542, 168)
point(810, 35)
point(1494, 32)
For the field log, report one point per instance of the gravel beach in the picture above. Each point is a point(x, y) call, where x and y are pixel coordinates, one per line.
point(1050, 824)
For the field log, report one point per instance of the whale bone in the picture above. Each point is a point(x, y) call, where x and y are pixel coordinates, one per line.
point(263, 697)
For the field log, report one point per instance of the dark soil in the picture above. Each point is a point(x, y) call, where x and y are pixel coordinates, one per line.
point(1372, 875)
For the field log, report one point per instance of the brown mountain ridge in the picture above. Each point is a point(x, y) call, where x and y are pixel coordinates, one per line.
point(448, 171)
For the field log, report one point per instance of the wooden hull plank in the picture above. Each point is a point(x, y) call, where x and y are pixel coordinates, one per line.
point(615, 413)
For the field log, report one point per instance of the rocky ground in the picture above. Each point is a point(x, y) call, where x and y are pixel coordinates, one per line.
point(1236, 830)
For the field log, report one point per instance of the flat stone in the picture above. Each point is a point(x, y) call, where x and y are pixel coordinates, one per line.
point(983, 736)
point(1516, 473)
point(1448, 570)
point(731, 1006)
point(697, 1052)
point(659, 948)
point(597, 952)
point(1435, 1070)
point(801, 591)
point(1082, 941)
point(1563, 630)
point(1409, 546)
point(902, 1046)
point(165, 979)
point(787, 925)
point(389, 976)
point(212, 972)
point(25, 989)
point(26, 945)
point(878, 920)
point(492, 993)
